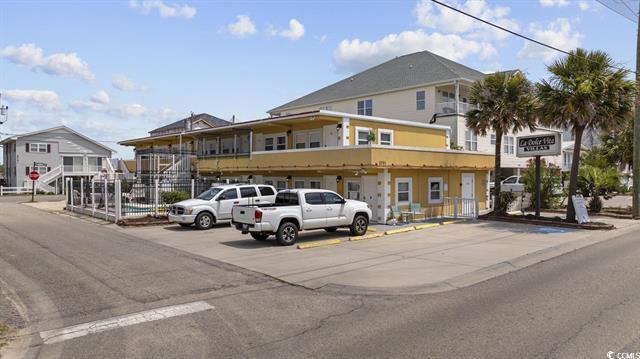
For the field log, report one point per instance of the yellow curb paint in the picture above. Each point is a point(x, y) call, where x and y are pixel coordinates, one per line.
point(425, 226)
point(366, 236)
point(370, 229)
point(319, 243)
point(400, 230)
point(450, 222)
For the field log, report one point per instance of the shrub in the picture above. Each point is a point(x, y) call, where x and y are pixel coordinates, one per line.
point(504, 201)
point(174, 196)
point(550, 177)
point(595, 182)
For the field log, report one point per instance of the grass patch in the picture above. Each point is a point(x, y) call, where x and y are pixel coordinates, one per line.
point(4, 334)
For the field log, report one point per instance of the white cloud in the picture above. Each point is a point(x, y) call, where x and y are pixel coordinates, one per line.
point(31, 56)
point(123, 83)
point(442, 19)
point(44, 99)
point(354, 55)
point(173, 10)
point(557, 33)
point(128, 110)
point(554, 3)
point(295, 30)
point(244, 26)
point(101, 97)
point(588, 5)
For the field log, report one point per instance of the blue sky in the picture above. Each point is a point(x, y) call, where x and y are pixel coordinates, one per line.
point(114, 70)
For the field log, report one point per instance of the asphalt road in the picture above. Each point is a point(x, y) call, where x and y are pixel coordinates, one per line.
point(64, 271)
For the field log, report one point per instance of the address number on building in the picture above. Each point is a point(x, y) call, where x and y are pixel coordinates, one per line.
point(538, 145)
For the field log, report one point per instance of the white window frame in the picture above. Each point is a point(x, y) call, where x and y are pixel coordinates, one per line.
point(423, 101)
point(296, 182)
point(403, 180)
point(36, 147)
point(346, 187)
point(382, 131)
point(441, 192)
point(318, 181)
point(471, 139)
point(357, 132)
point(306, 137)
point(508, 145)
point(492, 139)
point(275, 137)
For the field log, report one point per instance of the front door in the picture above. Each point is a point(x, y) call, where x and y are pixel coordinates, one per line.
point(468, 185)
point(370, 193)
point(330, 136)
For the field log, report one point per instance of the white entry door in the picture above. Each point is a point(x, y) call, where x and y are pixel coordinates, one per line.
point(330, 136)
point(370, 193)
point(468, 185)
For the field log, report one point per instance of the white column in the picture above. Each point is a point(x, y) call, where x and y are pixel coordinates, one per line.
point(457, 96)
point(93, 197)
point(384, 195)
point(250, 144)
point(155, 197)
point(105, 193)
point(118, 200)
point(193, 185)
point(343, 137)
point(82, 192)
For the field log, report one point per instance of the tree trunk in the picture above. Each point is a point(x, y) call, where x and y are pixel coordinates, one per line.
point(497, 173)
point(573, 179)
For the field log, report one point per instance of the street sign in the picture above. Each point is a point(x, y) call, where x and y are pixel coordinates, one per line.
point(39, 164)
point(34, 175)
point(547, 144)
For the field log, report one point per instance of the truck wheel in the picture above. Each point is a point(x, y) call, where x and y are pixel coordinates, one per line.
point(331, 230)
point(359, 225)
point(204, 221)
point(287, 234)
point(185, 224)
point(259, 236)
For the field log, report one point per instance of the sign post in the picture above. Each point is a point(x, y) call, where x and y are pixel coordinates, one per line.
point(536, 146)
point(33, 176)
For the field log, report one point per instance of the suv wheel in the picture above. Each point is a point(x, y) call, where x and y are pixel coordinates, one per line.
point(204, 221)
point(287, 234)
point(359, 225)
point(259, 236)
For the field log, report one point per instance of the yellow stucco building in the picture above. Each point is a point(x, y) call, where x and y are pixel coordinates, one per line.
point(388, 163)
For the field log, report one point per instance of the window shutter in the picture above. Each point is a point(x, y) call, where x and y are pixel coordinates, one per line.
point(48, 148)
point(48, 169)
point(26, 147)
point(26, 170)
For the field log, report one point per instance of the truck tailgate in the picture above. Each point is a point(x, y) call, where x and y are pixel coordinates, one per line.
point(244, 214)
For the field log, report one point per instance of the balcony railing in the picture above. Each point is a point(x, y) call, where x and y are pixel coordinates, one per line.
point(163, 151)
point(450, 107)
point(81, 168)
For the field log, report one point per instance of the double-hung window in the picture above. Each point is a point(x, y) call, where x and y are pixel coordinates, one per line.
point(421, 102)
point(470, 141)
point(281, 143)
point(362, 135)
point(301, 140)
point(385, 137)
point(493, 138)
point(38, 147)
point(509, 147)
point(275, 142)
point(307, 139)
point(365, 107)
point(435, 190)
point(314, 139)
point(403, 190)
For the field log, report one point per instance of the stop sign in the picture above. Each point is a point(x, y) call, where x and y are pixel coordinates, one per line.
point(34, 175)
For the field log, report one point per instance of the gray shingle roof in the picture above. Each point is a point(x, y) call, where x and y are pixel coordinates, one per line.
point(181, 124)
point(401, 72)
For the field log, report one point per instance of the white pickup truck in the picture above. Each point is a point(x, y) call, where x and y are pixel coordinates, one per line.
point(216, 203)
point(301, 209)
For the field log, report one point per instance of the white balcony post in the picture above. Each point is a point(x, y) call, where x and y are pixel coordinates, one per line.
point(457, 104)
point(1, 190)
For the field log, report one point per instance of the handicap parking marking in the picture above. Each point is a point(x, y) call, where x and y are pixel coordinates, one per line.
point(550, 230)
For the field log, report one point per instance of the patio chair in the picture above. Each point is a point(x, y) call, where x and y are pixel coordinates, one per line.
point(416, 209)
point(395, 212)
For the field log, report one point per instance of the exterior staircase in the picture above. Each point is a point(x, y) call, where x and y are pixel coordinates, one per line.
point(44, 181)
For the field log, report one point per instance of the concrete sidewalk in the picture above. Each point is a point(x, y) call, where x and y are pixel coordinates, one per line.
point(424, 261)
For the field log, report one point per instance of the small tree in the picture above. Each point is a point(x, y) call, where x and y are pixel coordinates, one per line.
point(174, 196)
point(550, 182)
point(505, 103)
point(595, 182)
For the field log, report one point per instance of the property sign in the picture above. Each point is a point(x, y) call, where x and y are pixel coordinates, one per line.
point(582, 216)
point(538, 145)
point(39, 164)
point(34, 175)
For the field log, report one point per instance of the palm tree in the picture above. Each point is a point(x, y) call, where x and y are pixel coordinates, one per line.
point(504, 102)
point(584, 91)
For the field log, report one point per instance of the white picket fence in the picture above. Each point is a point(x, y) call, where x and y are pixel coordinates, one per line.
point(14, 190)
point(455, 207)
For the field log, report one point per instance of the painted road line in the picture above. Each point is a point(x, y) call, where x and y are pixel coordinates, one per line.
point(328, 242)
point(425, 226)
point(80, 330)
point(366, 236)
point(400, 230)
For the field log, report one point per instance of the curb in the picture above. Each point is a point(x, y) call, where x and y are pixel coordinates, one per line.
point(402, 230)
point(327, 242)
point(366, 236)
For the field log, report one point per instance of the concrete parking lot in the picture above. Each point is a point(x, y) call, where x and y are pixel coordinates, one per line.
point(429, 260)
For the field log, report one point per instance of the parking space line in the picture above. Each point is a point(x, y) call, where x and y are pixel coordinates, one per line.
point(80, 330)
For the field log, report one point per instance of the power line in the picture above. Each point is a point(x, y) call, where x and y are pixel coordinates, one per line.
point(513, 32)
point(614, 6)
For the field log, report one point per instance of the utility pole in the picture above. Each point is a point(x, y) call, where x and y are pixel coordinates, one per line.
point(636, 134)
